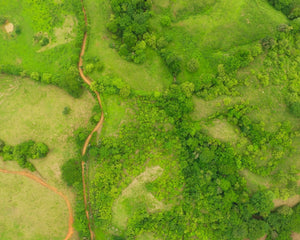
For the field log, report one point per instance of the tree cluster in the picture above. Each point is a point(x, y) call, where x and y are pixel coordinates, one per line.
point(22, 152)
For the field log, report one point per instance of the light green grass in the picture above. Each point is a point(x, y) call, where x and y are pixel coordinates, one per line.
point(222, 130)
point(150, 76)
point(221, 28)
point(21, 51)
point(135, 196)
point(30, 211)
point(116, 112)
point(29, 110)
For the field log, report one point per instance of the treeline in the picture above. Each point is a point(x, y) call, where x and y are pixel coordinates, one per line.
point(22, 152)
point(291, 8)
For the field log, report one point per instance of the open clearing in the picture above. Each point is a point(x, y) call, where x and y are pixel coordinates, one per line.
point(135, 195)
point(29, 211)
point(30, 110)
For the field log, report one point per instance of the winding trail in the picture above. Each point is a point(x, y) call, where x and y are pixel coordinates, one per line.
point(53, 189)
point(97, 128)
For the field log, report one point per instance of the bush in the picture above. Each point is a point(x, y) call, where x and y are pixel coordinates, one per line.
point(46, 78)
point(18, 30)
point(66, 110)
point(39, 150)
point(35, 76)
point(165, 21)
point(89, 68)
point(71, 171)
point(3, 20)
point(2, 144)
point(193, 65)
point(295, 108)
point(44, 41)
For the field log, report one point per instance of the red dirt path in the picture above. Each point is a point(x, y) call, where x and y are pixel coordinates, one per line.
point(97, 128)
point(53, 189)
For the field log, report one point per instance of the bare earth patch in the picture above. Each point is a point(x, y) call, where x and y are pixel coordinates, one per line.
point(9, 27)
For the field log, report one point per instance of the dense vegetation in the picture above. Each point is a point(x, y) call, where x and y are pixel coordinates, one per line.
point(205, 194)
point(198, 188)
point(22, 152)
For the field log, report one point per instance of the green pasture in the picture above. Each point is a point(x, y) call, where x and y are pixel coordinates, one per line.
point(19, 51)
point(150, 76)
point(210, 30)
point(30, 110)
point(30, 211)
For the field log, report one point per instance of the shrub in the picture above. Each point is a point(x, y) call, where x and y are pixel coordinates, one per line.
point(18, 30)
point(71, 171)
point(193, 65)
point(35, 76)
point(295, 108)
point(267, 43)
point(39, 150)
point(2, 144)
point(89, 68)
point(44, 41)
point(165, 21)
point(46, 78)
point(3, 19)
point(66, 110)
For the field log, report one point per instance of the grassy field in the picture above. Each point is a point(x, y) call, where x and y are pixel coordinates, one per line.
point(150, 76)
point(29, 110)
point(209, 30)
point(29, 211)
point(32, 22)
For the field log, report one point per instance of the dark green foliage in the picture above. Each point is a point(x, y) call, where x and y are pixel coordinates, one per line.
point(18, 30)
point(165, 21)
point(44, 41)
point(129, 23)
point(257, 229)
point(286, 6)
point(295, 108)
point(2, 144)
point(262, 202)
point(295, 219)
point(71, 171)
point(39, 150)
point(23, 151)
point(172, 61)
point(3, 20)
point(66, 110)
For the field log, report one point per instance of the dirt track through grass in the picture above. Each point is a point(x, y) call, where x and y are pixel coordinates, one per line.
point(53, 189)
point(97, 128)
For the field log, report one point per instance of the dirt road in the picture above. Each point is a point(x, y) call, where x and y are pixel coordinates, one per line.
point(53, 189)
point(97, 128)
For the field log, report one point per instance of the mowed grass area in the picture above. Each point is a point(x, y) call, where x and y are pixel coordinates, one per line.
point(150, 76)
point(30, 211)
point(29, 110)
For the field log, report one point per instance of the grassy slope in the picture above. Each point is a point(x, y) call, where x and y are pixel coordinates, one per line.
point(152, 75)
point(211, 34)
point(29, 110)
